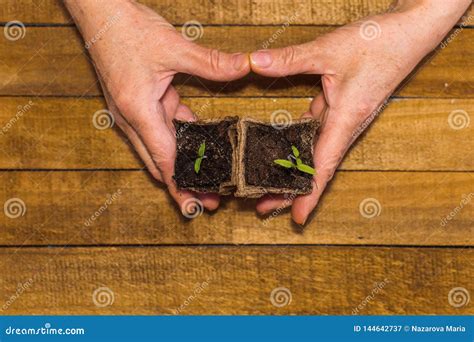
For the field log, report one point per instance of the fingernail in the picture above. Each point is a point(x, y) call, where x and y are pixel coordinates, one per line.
point(261, 59)
point(238, 61)
point(300, 223)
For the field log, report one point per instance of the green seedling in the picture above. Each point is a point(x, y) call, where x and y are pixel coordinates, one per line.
point(201, 156)
point(298, 164)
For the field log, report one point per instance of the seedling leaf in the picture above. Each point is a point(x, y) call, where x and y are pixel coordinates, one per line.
point(296, 153)
point(197, 164)
point(285, 163)
point(306, 169)
point(202, 149)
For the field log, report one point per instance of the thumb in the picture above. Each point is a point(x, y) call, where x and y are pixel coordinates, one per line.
point(307, 58)
point(212, 64)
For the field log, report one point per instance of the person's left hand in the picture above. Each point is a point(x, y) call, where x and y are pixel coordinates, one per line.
point(361, 65)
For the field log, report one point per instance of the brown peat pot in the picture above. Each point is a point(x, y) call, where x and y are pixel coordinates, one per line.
point(249, 157)
point(214, 142)
point(266, 158)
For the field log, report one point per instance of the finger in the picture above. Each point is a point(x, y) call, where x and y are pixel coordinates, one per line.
point(269, 203)
point(132, 136)
point(210, 201)
point(333, 142)
point(141, 150)
point(307, 58)
point(170, 101)
point(318, 109)
point(211, 64)
point(174, 109)
point(160, 143)
point(183, 113)
point(150, 136)
point(318, 106)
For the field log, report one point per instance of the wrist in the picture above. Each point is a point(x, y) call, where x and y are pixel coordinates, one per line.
point(91, 16)
point(82, 8)
point(441, 6)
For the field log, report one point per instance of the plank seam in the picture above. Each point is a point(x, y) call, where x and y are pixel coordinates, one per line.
point(52, 25)
point(233, 245)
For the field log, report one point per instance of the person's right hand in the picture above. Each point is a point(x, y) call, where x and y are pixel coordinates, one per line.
point(136, 58)
point(361, 65)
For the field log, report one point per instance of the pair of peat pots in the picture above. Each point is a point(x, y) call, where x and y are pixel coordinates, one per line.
point(245, 157)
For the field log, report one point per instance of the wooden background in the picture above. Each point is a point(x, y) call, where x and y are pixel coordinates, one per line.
point(142, 254)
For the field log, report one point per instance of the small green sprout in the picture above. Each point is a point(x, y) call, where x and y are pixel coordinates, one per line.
point(287, 163)
point(201, 156)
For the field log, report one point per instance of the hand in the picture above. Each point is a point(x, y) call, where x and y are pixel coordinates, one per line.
point(136, 57)
point(361, 65)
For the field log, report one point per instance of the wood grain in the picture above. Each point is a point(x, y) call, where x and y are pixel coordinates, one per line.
point(127, 207)
point(58, 133)
point(237, 280)
point(52, 61)
point(315, 12)
point(130, 236)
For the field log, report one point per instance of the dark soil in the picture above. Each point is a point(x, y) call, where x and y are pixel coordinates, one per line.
point(216, 167)
point(266, 143)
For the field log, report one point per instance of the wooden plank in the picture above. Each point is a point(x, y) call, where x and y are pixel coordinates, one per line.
point(58, 133)
point(51, 61)
point(123, 207)
point(314, 12)
point(217, 280)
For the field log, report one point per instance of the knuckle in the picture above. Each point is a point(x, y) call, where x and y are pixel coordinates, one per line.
point(329, 166)
point(158, 157)
point(214, 59)
point(363, 109)
point(289, 54)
